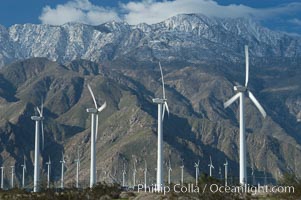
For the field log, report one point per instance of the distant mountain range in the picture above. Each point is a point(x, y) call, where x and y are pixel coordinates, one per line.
point(190, 38)
point(202, 59)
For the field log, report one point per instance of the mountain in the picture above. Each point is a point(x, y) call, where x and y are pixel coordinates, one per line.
point(202, 59)
point(190, 38)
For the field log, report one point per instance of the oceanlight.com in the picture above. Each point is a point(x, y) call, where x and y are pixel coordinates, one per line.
point(215, 188)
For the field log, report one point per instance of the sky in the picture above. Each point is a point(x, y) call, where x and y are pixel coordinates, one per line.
point(280, 15)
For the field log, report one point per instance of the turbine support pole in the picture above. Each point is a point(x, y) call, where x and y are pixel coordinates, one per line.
point(36, 176)
point(242, 142)
point(93, 155)
point(160, 149)
point(48, 175)
point(2, 174)
point(77, 173)
point(23, 177)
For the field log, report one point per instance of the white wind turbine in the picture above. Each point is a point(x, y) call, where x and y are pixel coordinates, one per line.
point(37, 119)
point(123, 175)
point(197, 170)
point(94, 126)
point(48, 172)
point(23, 173)
point(77, 168)
point(2, 177)
point(182, 172)
point(220, 173)
point(162, 105)
point(134, 174)
point(145, 174)
point(253, 176)
point(169, 172)
point(12, 176)
point(241, 92)
point(226, 172)
point(210, 167)
point(62, 172)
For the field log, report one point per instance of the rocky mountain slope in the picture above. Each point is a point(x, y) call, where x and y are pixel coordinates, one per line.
point(202, 59)
point(190, 38)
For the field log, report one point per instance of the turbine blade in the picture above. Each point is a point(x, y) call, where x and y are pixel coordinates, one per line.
point(231, 100)
point(96, 127)
point(162, 80)
point(42, 127)
point(210, 161)
point(257, 104)
point(163, 112)
point(165, 106)
point(93, 97)
point(247, 65)
point(102, 107)
point(39, 111)
point(167, 109)
point(42, 107)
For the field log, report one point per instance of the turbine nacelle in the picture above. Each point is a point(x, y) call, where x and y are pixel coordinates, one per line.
point(240, 88)
point(92, 110)
point(37, 118)
point(159, 101)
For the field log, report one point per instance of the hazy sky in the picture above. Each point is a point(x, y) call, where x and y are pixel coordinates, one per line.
point(276, 14)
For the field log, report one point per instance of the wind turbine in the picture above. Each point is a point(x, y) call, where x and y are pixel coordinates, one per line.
point(253, 176)
point(241, 92)
point(2, 176)
point(134, 174)
point(220, 173)
point(162, 105)
point(145, 173)
point(23, 173)
point(169, 171)
point(77, 168)
point(182, 173)
point(210, 167)
point(94, 126)
point(37, 119)
point(226, 172)
point(62, 172)
point(48, 172)
point(12, 176)
point(197, 170)
point(123, 175)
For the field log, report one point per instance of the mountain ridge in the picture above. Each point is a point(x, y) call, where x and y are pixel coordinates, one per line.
point(167, 41)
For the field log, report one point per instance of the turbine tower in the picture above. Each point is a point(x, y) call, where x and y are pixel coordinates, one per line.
point(48, 172)
point(134, 174)
point(197, 170)
point(241, 92)
point(210, 167)
point(226, 172)
point(62, 172)
point(38, 119)
point(169, 172)
point(162, 105)
point(94, 126)
point(145, 173)
point(253, 176)
point(182, 174)
point(2, 176)
point(12, 176)
point(123, 175)
point(23, 173)
point(77, 168)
